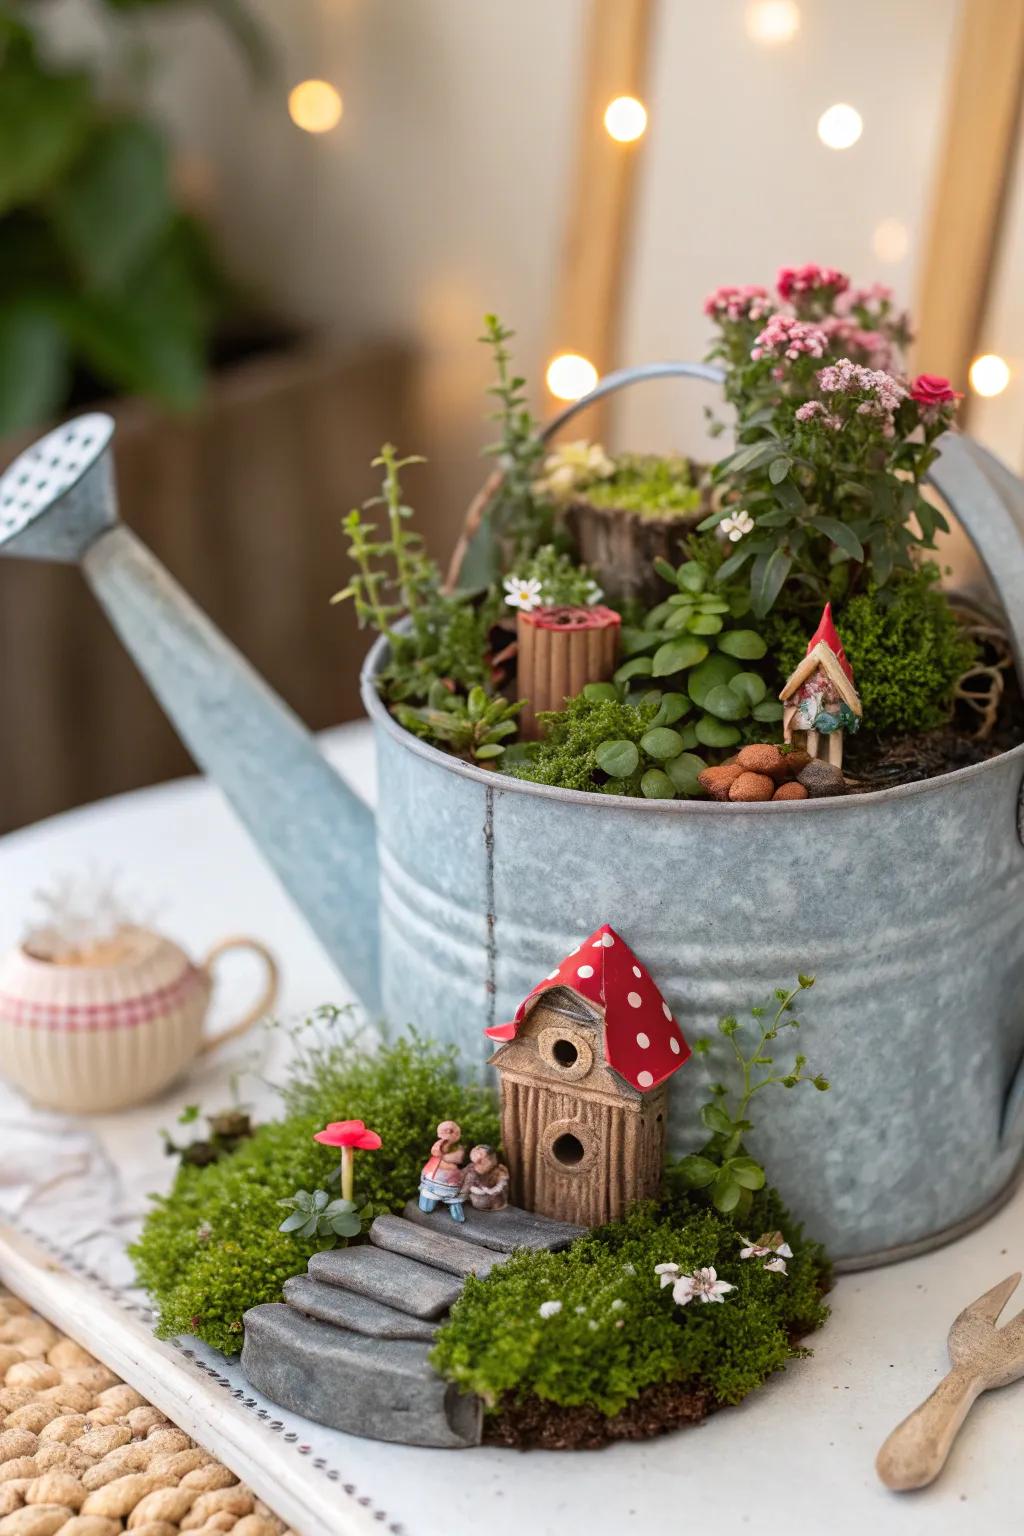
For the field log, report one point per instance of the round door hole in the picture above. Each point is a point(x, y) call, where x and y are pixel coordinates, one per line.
point(565, 1053)
point(568, 1149)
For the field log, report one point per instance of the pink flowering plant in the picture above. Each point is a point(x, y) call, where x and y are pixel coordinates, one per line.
point(833, 441)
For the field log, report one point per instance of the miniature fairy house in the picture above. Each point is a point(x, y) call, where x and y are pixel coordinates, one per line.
point(583, 1067)
point(820, 702)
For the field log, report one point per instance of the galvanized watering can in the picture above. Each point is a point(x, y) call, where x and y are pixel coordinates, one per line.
point(468, 887)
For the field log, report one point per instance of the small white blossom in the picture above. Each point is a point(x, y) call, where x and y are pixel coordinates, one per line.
point(618, 1304)
point(737, 525)
point(668, 1273)
point(549, 1308)
point(771, 1246)
point(703, 1283)
point(524, 593)
point(594, 593)
point(580, 1310)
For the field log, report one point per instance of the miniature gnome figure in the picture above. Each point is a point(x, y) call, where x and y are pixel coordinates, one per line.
point(820, 700)
point(486, 1180)
point(441, 1181)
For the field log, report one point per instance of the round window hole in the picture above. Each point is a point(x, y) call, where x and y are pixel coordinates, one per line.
point(568, 1150)
point(565, 1053)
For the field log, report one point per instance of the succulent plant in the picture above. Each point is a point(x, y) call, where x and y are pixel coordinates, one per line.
point(689, 640)
point(474, 726)
point(315, 1214)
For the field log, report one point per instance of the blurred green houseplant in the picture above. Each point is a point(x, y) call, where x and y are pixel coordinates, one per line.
point(103, 275)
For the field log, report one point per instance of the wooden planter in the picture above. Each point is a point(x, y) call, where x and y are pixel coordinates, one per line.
point(242, 501)
point(560, 651)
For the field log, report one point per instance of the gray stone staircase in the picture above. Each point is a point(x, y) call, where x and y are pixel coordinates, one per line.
point(349, 1346)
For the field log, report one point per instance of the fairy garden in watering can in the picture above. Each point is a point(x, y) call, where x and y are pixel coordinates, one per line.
point(584, 1242)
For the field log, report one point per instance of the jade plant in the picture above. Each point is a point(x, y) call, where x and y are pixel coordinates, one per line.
point(723, 1170)
point(688, 641)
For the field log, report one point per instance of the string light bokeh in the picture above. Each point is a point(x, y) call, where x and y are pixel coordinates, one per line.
point(570, 376)
point(315, 106)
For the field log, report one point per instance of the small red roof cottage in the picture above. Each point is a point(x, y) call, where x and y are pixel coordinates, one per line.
point(583, 1068)
point(820, 701)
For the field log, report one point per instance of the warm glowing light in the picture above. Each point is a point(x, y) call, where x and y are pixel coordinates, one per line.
point(773, 21)
point(625, 118)
point(989, 374)
point(570, 376)
point(891, 240)
point(840, 126)
point(315, 106)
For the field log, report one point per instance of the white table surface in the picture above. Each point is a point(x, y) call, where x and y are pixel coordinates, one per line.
point(796, 1457)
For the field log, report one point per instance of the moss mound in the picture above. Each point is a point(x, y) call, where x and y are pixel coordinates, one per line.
point(648, 485)
point(618, 1343)
point(211, 1249)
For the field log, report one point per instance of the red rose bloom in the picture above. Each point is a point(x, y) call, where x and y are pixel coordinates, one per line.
point(933, 389)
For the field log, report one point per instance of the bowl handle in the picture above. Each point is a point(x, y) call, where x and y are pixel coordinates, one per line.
point(263, 1003)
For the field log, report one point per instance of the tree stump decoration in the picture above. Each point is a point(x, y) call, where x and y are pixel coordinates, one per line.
point(560, 651)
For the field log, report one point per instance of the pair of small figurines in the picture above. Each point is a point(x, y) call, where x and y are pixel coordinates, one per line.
point(447, 1180)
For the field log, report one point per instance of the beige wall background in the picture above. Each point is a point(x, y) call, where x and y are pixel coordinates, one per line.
point(444, 191)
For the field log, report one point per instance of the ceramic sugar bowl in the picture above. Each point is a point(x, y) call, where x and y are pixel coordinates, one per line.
point(114, 1026)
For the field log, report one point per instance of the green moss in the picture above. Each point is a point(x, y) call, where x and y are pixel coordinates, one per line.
point(210, 1249)
point(905, 645)
point(618, 1331)
point(568, 754)
point(647, 484)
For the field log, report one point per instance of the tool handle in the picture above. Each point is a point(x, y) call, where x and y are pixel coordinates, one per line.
point(916, 1451)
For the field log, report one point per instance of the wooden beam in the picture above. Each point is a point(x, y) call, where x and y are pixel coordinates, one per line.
point(970, 189)
point(600, 195)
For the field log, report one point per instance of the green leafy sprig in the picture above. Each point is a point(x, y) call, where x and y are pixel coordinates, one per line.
point(315, 1215)
point(475, 726)
point(722, 1168)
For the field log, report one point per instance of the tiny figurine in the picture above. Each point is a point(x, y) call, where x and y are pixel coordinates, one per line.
point(560, 651)
point(441, 1181)
point(583, 1068)
point(486, 1180)
point(820, 698)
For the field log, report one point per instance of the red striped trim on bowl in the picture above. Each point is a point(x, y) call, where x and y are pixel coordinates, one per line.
point(121, 1014)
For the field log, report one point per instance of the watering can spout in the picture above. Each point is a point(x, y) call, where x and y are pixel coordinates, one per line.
point(58, 502)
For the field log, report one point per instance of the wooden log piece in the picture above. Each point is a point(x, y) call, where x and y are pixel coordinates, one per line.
point(560, 651)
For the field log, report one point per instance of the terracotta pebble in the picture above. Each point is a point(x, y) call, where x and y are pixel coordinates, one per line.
point(797, 760)
point(717, 781)
point(762, 757)
point(790, 791)
point(751, 786)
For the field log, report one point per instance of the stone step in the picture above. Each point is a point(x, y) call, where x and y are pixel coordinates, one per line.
point(381, 1389)
point(503, 1231)
point(414, 1288)
point(348, 1309)
point(433, 1246)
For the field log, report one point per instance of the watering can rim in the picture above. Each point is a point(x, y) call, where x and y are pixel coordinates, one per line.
point(494, 779)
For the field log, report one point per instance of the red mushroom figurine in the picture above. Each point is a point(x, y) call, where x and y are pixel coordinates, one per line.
point(348, 1135)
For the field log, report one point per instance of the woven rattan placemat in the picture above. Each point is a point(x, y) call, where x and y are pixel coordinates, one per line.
point(83, 1454)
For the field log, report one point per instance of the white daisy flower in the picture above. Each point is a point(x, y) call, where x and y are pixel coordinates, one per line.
point(737, 525)
point(524, 593)
point(594, 593)
point(549, 1308)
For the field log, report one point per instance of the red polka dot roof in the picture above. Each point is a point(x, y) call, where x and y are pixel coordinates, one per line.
point(642, 1041)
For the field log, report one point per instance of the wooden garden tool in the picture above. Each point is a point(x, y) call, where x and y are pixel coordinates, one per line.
point(983, 1356)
